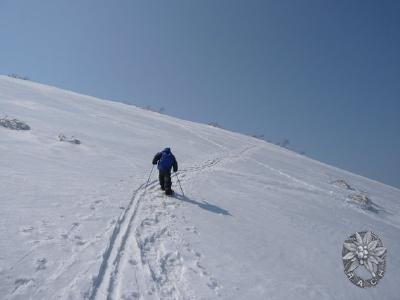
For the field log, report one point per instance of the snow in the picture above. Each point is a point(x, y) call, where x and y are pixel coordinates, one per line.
point(256, 222)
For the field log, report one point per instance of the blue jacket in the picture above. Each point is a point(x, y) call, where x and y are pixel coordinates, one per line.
point(165, 160)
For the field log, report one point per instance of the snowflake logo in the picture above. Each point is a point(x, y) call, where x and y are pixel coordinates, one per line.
point(364, 249)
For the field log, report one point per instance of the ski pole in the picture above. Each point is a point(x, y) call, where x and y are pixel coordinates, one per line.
point(183, 194)
point(148, 179)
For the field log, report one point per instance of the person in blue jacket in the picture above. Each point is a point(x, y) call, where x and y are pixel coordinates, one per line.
point(165, 161)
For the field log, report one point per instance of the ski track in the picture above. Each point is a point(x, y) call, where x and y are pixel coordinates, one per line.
point(114, 249)
point(141, 244)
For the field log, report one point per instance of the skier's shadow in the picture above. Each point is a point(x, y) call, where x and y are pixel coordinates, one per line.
point(204, 205)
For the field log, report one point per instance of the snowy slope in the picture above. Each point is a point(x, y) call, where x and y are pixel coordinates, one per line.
point(256, 222)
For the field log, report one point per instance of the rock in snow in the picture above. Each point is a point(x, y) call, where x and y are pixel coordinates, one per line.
point(13, 124)
point(72, 140)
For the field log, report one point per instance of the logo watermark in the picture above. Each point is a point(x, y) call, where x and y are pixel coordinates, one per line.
point(364, 250)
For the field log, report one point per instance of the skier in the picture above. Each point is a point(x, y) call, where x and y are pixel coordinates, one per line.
point(165, 160)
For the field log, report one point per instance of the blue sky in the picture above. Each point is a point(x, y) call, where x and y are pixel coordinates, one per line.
point(324, 74)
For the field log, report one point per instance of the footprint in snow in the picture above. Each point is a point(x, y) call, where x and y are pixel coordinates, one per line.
point(131, 296)
point(95, 204)
point(21, 282)
point(199, 265)
point(27, 229)
point(192, 229)
point(213, 285)
point(201, 270)
point(133, 262)
point(78, 240)
point(72, 228)
point(75, 224)
point(170, 205)
point(41, 264)
point(45, 223)
point(148, 222)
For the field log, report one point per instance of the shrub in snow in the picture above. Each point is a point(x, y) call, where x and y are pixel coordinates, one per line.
point(284, 144)
point(363, 201)
point(18, 76)
point(342, 184)
point(13, 124)
point(161, 110)
point(257, 136)
point(214, 124)
point(71, 139)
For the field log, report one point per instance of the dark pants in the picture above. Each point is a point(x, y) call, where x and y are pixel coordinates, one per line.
point(165, 180)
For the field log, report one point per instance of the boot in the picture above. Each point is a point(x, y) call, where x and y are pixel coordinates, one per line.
point(169, 192)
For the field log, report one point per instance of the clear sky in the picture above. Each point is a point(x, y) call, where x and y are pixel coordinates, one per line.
point(324, 74)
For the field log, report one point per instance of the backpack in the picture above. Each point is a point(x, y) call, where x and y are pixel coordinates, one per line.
point(166, 161)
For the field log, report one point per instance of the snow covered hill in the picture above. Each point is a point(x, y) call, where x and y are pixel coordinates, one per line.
point(256, 221)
